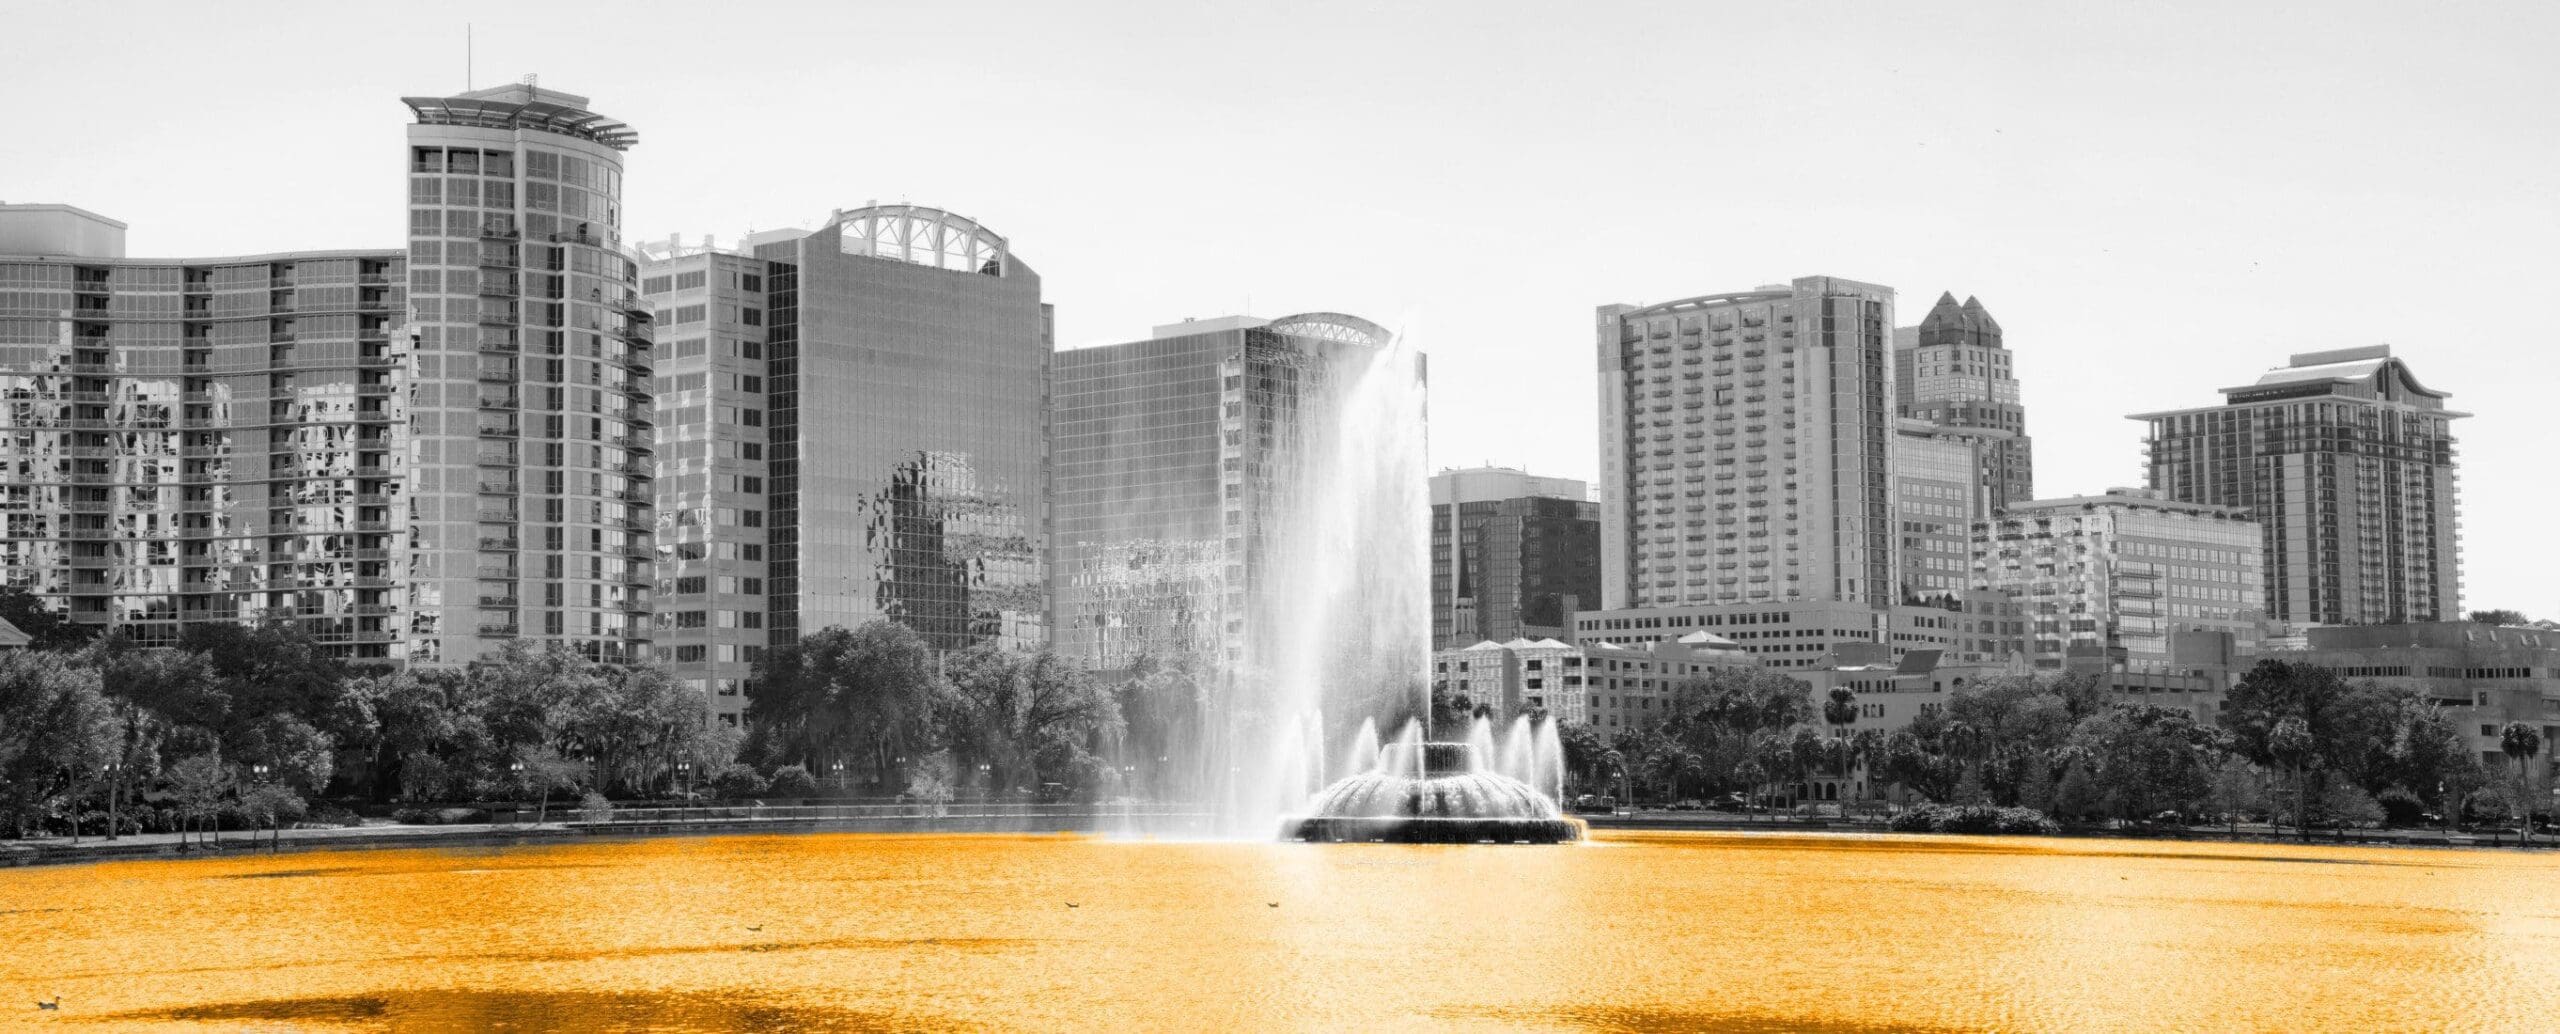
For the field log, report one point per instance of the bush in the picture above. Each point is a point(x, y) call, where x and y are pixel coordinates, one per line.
point(595, 808)
point(439, 816)
point(334, 815)
point(737, 781)
point(792, 781)
point(1973, 818)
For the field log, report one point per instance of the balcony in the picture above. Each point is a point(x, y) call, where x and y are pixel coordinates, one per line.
point(498, 545)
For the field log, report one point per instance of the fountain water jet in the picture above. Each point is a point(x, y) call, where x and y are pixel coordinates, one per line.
point(1322, 603)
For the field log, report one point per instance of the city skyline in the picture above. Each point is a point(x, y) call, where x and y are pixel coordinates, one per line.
point(2102, 183)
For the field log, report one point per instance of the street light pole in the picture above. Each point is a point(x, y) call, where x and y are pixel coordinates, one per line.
point(261, 772)
point(114, 781)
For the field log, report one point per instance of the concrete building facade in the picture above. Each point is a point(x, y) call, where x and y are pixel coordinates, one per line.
point(712, 580)
point(2348, 464)
point(2113, 576)
point(532, 446)
point(1805, 635)
point(202, 440)
point(1746, 447)
point(1953, 372)
point(2484, 676)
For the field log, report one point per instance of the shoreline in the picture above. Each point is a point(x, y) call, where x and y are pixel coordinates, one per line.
point(164, 846)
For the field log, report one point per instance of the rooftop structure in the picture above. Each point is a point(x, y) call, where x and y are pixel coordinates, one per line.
point(523, 107)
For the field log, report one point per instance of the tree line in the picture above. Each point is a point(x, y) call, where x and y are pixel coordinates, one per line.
point(251, 724)
point(2295, 744)
point(256, 725)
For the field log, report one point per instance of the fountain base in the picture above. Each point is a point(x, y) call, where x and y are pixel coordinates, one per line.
point(1345, 829)
point(1432, 793)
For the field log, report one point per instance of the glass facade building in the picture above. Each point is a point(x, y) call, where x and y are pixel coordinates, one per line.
point(1746, 447)
point(906, 368)
point(1177, 460)
point(2348, 463)
point(1938, 494)
point(1517, 553)
point(531, 453)
point(201, 440)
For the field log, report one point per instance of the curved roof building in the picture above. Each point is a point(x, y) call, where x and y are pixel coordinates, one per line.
point(533, 439)
point(2347, 461)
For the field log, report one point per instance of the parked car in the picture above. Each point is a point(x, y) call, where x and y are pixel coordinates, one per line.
point(1595, 804)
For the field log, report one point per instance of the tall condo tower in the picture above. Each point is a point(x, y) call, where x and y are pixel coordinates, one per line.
point(1746, 447)
point(1952, 371)
point(201, 440)
point(907, 368)
point(532, 447)
point(2348, 464)
point(714, 487)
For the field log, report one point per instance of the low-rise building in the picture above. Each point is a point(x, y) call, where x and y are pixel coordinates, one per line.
point(1798, 634)
point(2485, 676)
point(2113, 576)
point(1606, 685)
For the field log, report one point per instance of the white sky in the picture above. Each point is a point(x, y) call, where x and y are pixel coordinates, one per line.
point(2155, 200)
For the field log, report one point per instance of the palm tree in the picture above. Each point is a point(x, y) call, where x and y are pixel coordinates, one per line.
point(1841, 710)
point(1866, 747)
point(2290, 742)
point(2521, 743)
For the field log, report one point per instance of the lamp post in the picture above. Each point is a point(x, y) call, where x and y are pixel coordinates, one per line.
point(114, 778)
point(260, 771)
point(515, 772)
point(686, 767)
point(838, 766)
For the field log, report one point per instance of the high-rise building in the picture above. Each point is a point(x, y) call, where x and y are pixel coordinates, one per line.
point(2348, 464)
point(1177, 460)
point(1953, 372)
point(2109, 580)
point(1517, 551)
point(1938, 494)
point(201, 440)
point(532, 448)
point(1746, 445)
point(907, 365)
point(711, 596)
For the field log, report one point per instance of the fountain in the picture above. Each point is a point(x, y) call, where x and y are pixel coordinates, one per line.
point(1312, 634)
point(1444, 793)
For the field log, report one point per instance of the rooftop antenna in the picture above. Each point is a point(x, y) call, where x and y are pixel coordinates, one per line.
point(466, 57)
